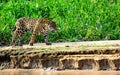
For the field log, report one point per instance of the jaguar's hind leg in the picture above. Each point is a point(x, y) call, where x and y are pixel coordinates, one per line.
point(21, 32)
point(13, 38)
point(18, 33)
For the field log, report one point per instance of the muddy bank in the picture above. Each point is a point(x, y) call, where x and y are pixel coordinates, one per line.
point(61, 57)
point(63, 72)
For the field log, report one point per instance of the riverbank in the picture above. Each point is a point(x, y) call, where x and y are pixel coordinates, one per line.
point(92, 55)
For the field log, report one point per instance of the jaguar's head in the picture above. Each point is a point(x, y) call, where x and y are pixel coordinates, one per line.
point(53, 26)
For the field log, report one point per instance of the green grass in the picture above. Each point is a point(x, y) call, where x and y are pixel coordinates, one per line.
point(77, 20)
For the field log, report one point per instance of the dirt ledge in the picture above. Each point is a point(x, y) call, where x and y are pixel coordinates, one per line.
point(96, 55)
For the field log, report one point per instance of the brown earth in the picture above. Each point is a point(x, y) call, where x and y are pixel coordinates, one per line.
point(54, 72)
point(90, 55)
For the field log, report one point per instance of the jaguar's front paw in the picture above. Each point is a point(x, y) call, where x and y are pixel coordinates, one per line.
point(48, 43)
point(12, 44)
point(20, 44)
point(31, 44)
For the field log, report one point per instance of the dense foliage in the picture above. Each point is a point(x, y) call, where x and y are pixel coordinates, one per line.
point(77, 20)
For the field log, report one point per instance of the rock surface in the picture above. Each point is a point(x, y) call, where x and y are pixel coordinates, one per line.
point(95, 55)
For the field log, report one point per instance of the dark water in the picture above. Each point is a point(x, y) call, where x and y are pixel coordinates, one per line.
point(65, 72)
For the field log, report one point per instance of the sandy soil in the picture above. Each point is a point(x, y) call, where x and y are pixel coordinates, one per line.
point(65, 72)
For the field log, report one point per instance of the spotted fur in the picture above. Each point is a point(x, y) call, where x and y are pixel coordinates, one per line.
point(36, 26)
